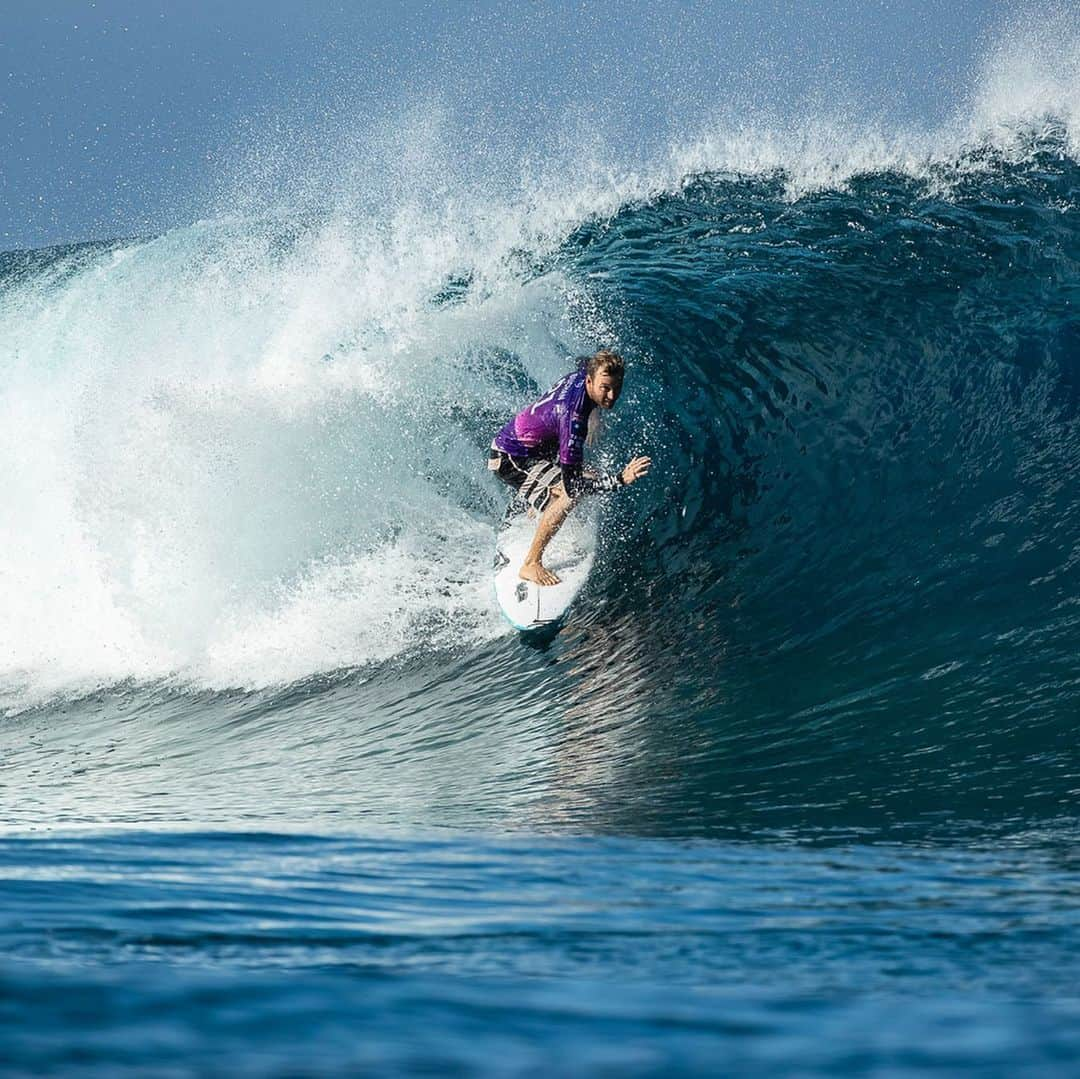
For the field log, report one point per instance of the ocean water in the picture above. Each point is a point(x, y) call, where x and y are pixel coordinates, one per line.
point(794, 789)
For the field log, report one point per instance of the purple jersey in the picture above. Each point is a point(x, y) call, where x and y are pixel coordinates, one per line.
point(554, 427)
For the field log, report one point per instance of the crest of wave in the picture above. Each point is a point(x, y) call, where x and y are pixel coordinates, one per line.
point(1030, 80)
point(1026, 89)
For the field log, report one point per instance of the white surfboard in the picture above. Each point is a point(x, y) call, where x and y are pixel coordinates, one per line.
point(569, 556)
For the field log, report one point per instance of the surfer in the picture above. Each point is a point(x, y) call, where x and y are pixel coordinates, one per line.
point(540, 452)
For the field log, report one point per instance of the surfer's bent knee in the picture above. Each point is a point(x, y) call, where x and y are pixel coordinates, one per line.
point(560, 497)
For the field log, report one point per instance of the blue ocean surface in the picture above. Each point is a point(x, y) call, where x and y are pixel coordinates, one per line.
point(244, 953)
point(794, 788)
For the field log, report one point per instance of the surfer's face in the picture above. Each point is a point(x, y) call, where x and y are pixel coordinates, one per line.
point(603, 388)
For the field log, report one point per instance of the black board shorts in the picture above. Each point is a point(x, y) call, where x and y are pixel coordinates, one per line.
point(534, 478)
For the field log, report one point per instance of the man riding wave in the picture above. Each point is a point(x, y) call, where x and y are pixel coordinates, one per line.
point(540, 452)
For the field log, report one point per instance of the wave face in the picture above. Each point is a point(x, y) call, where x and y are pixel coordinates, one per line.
point(865, 557)
point(246, 488)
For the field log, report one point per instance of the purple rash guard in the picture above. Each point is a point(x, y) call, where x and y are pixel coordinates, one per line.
point(555, 428)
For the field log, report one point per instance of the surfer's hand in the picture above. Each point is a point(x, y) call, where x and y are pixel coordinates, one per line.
point(635, 470)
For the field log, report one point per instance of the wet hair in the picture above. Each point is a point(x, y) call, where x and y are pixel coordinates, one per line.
point(607, 361)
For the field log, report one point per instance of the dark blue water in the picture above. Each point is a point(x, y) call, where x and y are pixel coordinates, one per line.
point(243, 952)
point(794, 789)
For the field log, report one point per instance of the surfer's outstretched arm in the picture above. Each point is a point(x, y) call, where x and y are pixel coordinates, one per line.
point(561, 504)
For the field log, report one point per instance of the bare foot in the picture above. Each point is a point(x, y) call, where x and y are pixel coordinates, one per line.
point(536, 572)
